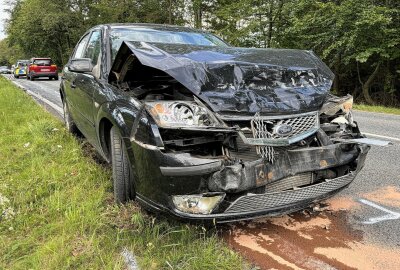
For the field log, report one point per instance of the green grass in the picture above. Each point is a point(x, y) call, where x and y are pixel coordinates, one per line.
point(379, 109)
point(57, 210)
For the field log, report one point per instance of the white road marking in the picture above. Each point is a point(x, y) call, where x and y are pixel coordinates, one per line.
point(392, 215)
point(129, 259)
point(381, 136)
point(48, 102)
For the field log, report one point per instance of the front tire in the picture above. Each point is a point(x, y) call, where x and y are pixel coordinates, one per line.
point(69, 122)
point(121, 167)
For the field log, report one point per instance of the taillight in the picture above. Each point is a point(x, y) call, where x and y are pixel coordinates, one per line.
point(33, 66)
point(54, 66)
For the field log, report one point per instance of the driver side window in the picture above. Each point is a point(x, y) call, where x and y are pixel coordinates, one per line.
point(81, 47)
point(93, 51)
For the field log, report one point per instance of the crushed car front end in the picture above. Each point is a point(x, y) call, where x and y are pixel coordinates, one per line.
point(235, 172)
point(248, 133)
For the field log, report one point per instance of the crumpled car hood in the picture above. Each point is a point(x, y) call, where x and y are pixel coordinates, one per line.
point(238, 80)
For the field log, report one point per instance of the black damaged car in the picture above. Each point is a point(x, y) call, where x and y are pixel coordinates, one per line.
point(205, 131)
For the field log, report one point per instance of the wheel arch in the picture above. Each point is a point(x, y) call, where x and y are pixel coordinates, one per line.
point(109, 116)
point(105, 126)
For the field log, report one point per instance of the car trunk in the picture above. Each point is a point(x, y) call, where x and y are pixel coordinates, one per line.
point(43, 65)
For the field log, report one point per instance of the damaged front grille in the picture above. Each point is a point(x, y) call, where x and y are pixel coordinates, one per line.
point(291, 182)
point(292, 128)
point(271, 200)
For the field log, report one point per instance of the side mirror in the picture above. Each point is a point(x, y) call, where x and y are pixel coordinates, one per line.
point(81, 65)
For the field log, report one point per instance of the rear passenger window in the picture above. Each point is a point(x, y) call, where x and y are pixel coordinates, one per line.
point(42, 62)
point(80, 50)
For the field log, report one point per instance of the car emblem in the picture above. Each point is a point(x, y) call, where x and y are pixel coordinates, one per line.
point(283, 130)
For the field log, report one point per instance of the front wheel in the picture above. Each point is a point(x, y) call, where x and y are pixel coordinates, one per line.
point(121, 167)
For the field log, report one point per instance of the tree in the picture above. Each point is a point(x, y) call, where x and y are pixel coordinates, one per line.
point(45, 28)
point(10, 54)
point(347, 32)
point(359, 40)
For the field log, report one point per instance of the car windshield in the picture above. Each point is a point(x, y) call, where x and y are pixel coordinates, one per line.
point(161, 36)
point(42, 62)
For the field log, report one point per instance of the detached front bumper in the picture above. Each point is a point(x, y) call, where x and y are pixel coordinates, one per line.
point(241, 182)
point(274, 203)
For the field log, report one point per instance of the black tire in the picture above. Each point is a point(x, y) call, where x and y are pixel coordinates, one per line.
point(16, 77)
point(56, 78)
point(122, 170)
point(31, 77)
point(69, 122)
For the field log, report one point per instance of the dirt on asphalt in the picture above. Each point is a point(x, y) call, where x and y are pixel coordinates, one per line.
point(321, 238)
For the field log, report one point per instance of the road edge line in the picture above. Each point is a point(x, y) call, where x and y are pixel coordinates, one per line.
point(48, 102)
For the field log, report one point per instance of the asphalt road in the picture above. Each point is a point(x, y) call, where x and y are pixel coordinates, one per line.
point(357, 229)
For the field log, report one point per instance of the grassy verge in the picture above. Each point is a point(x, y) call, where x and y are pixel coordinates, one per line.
point(56, 209)
point(379, 109)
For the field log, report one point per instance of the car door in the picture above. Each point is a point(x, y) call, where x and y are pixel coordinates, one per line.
point(84, 85)
point(87, 84)
point(69, 83)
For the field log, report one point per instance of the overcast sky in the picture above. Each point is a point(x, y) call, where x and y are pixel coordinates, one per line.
point(3, 16)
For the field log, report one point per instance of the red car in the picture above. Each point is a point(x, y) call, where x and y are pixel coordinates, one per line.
point(41, 67)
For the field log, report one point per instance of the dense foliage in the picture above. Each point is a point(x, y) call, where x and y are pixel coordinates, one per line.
point(359, 40)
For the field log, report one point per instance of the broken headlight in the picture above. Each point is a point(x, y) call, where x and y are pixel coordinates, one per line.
point(341, 107)
point(338, 104)
point(197, 204)
point(181, 114)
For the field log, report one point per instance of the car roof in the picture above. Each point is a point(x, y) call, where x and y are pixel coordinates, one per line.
point(161, 27)
point(41, 58)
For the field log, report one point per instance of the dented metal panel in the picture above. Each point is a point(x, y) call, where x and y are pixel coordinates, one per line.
point(247, 175)
point(237, 80)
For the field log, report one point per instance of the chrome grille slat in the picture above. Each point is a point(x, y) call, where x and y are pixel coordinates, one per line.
point(263, 128)
point(258, 202)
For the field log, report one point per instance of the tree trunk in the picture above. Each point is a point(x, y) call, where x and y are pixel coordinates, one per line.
point(367, 85)
point(170, 12)
point(198, 14)
point(270, 22)
point(336, 81)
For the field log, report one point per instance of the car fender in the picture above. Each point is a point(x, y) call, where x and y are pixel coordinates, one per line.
point(120, 114)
